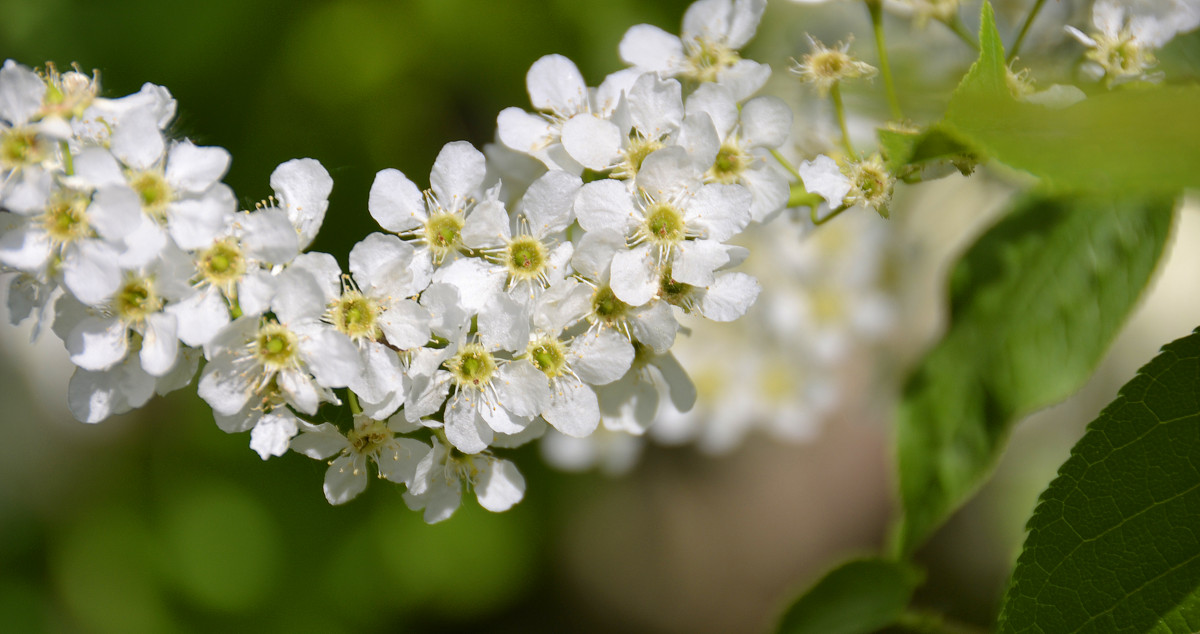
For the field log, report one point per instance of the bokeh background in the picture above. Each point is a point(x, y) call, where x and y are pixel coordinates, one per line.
point(158, 522)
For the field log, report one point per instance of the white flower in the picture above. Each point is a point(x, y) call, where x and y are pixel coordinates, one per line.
point(537, 255)
point(572, 365)
point(442, 473)
point(675, 224)
point(435, 218)
point(293, 357)
point(713, 32)
point(745, 136)
point(396, 458)
point(133, 320)
point(179, 186)
point(573, 129)
point(1127, 33)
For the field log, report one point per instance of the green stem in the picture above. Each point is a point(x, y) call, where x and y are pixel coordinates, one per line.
point(834, 214)
point(800, 197)
point(68, 161)
point(956, 25)
point(1037, 6)
point(875, 8)
point(929, 622)
point(787, 165)
point(836, 93)
point(355, 408)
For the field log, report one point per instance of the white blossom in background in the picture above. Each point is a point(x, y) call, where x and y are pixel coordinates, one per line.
point(1121, 48)
point(714, 31)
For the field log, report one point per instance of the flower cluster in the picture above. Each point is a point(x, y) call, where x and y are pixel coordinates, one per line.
point(490, 306)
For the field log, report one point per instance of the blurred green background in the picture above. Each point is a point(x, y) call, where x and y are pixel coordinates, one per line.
point(158, 522)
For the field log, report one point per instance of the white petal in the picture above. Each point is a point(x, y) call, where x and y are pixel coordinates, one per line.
point(594, 255)
point(499, 485)
point(602, 356)
point(457, 174)
point(137, 139)
point(145, 244)
point(503, 323)
point(724, 210)
point(298, 297)
point(655, 326)
point(717, 102)
point(729, 297)
point(573, 409)
point(302, 187)
point(332, 357)
point(90, 271)
point(667, 173)
point(345, 478)
point(255, 292)
point(405, 324)
point(605, 205)
point(25, 248)
point(268, 236)
point(743, 22)
point(487, 226)
point(273, 433)
point(822, 176)
point(766, 122)
point(195, 169)
point(681, 388)
point(395, 202)
point(195, 223)
point(115, 212)
point(522, 388)
point(708, 19)
point(594, 142)
point(695, 261)
point(556, 85)
point(224, 387)
point(635, 275)
point(299, 389)
point(94, 396)
point(523, 132)
point(98, 343)
point(475, 280)
point(160, 346)
point(770, 190)
point(98, 167)
point(21, 92)
point(465, 428)
point(651, 48)
point(325, 272)
point(655, 106)
point(548, 202)
point(319, 442)
point(381, 261)
point(445, 308)
point(744, 78)
point(399, 459)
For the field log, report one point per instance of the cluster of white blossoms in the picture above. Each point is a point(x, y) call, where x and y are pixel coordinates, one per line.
point(486, 309)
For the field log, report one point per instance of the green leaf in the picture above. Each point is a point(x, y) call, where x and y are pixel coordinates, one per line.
point(1135, 139)
point(857, 597)
point(913, 155)
point(988, 76)
point(1033, 306)
point(1114, 544)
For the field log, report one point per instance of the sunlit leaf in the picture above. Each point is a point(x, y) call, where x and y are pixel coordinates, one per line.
point(1114, 545)
point(1033, 306)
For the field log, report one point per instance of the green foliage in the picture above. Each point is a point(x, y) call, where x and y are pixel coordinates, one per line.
point(1033, 306)
point(1114, 545)
point(912, 156)
point(1140, 139)
point(857, 597)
